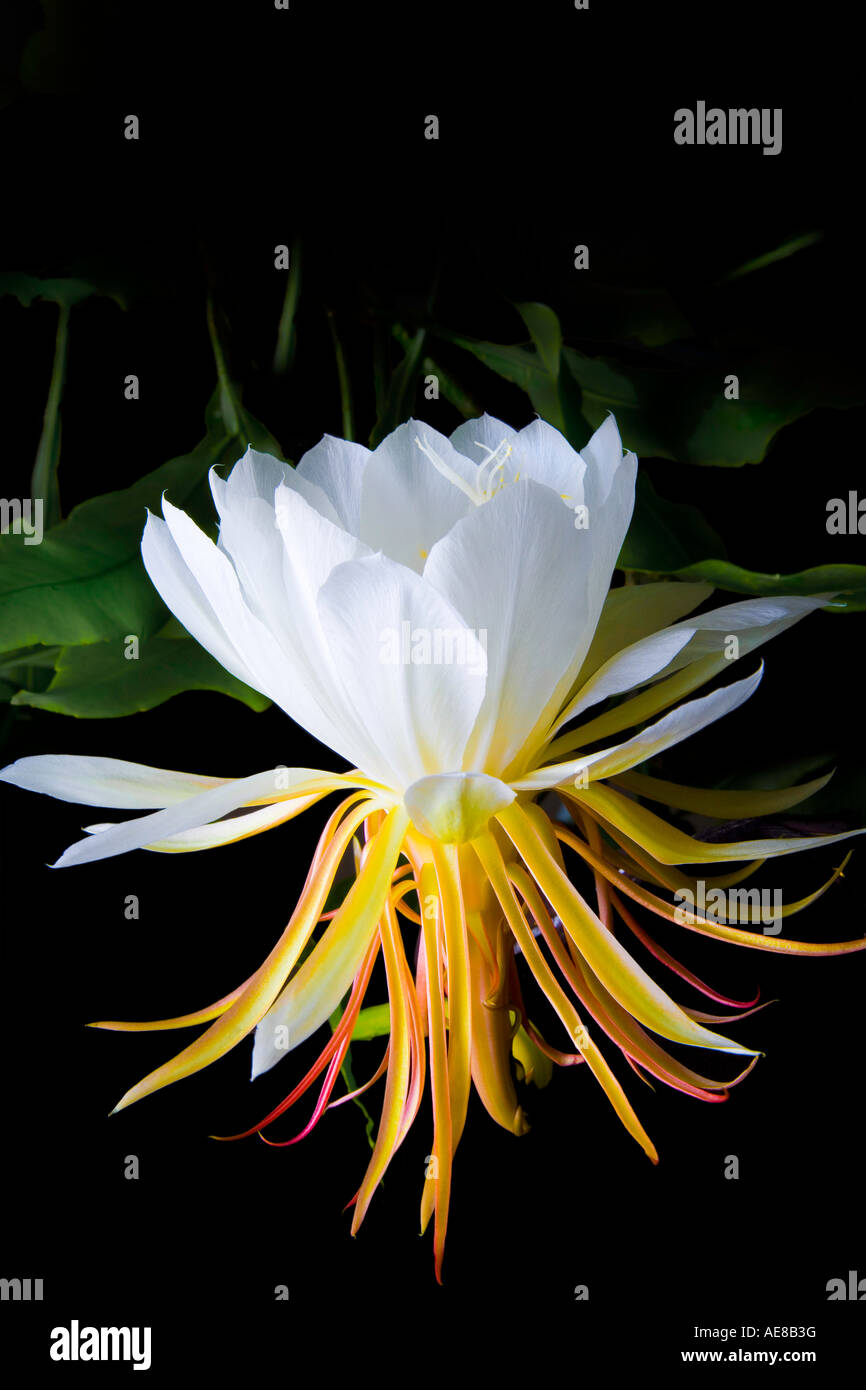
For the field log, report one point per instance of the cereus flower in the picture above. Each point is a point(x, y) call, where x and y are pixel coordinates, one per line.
point(437, 612)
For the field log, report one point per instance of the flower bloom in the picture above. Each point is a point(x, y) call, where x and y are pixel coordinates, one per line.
point(437, 612)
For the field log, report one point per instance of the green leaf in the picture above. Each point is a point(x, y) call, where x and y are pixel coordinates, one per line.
point(628, 313)
point(517, 364)
point(373, 1022)
point(400, 393)
point(286, 336)
point(664, 407)
point(226, 411)
point(848, 581)
point(99, 682)
point(66, 293)
point(674, 539)
point(29, 657)
point(224, 405)
point(43, 482)
point(546, 334)
point(779, 253)
point(343, 378)
point(557, 396)
point(449, 387)
point(86, 582)
point(351, 1085)
point(26, 668)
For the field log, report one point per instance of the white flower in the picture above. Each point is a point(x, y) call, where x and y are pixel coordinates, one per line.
point(436, 612)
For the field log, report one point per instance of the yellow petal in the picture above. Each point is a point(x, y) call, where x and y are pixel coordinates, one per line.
point(671, 846)
point(436, 1194)
point(634, 989)
point(724, 804)
point(494, 866)
point(399, 1064)
point(268, 980)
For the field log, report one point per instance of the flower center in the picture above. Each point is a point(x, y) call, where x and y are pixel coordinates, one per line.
point(490, 477)
point(455, 806)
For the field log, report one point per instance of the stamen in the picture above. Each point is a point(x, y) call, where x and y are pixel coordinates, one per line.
point(446, 470)
point(495, 464)
point(490, 476)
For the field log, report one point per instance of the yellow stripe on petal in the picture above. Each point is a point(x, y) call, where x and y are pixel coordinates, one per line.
point(671, 846)
point(313, 994)
point(650, 871)
point(183, 1020)
point(721, 803)
point(447, 864)
point(647, 1051)
point(619, 1025)
point(752, 912)
point(399, 1066)
point(268, 980)
point(494, 866)
point(229, 831)
point(719, 930)
point(633, 712)
point(629, 984)
point(491, 1049)
point(436, 1193)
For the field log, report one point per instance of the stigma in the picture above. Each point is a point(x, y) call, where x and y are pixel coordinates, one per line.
point(490, 477)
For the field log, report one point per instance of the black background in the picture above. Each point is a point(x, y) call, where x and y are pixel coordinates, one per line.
point(555, 128)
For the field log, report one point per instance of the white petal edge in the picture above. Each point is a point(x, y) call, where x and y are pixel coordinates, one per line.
point(224, 832)
point(276, 784)
point(672, 728)
point(105, 781)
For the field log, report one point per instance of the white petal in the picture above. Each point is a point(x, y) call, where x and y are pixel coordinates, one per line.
point(603, 456)
point(184, 596)
point(256, 477)
point(538, 451)
point(194, 811)
point(282, 551)
point(417, 709)
point(223, 832)
point(314, 991)
point(313, 548)
point(752, 621)
point(637, 610)
point(608, 493)
point(216, 577)
point(672, 728)
point(276, 668)
point(518, 571)
point(105, 781)
point(406, 502)
point(336, 466)
point(485, 431)
point(663, 653)
point(634, 666)
point(676, 725)
point(307, 1001)
point(543, 453)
